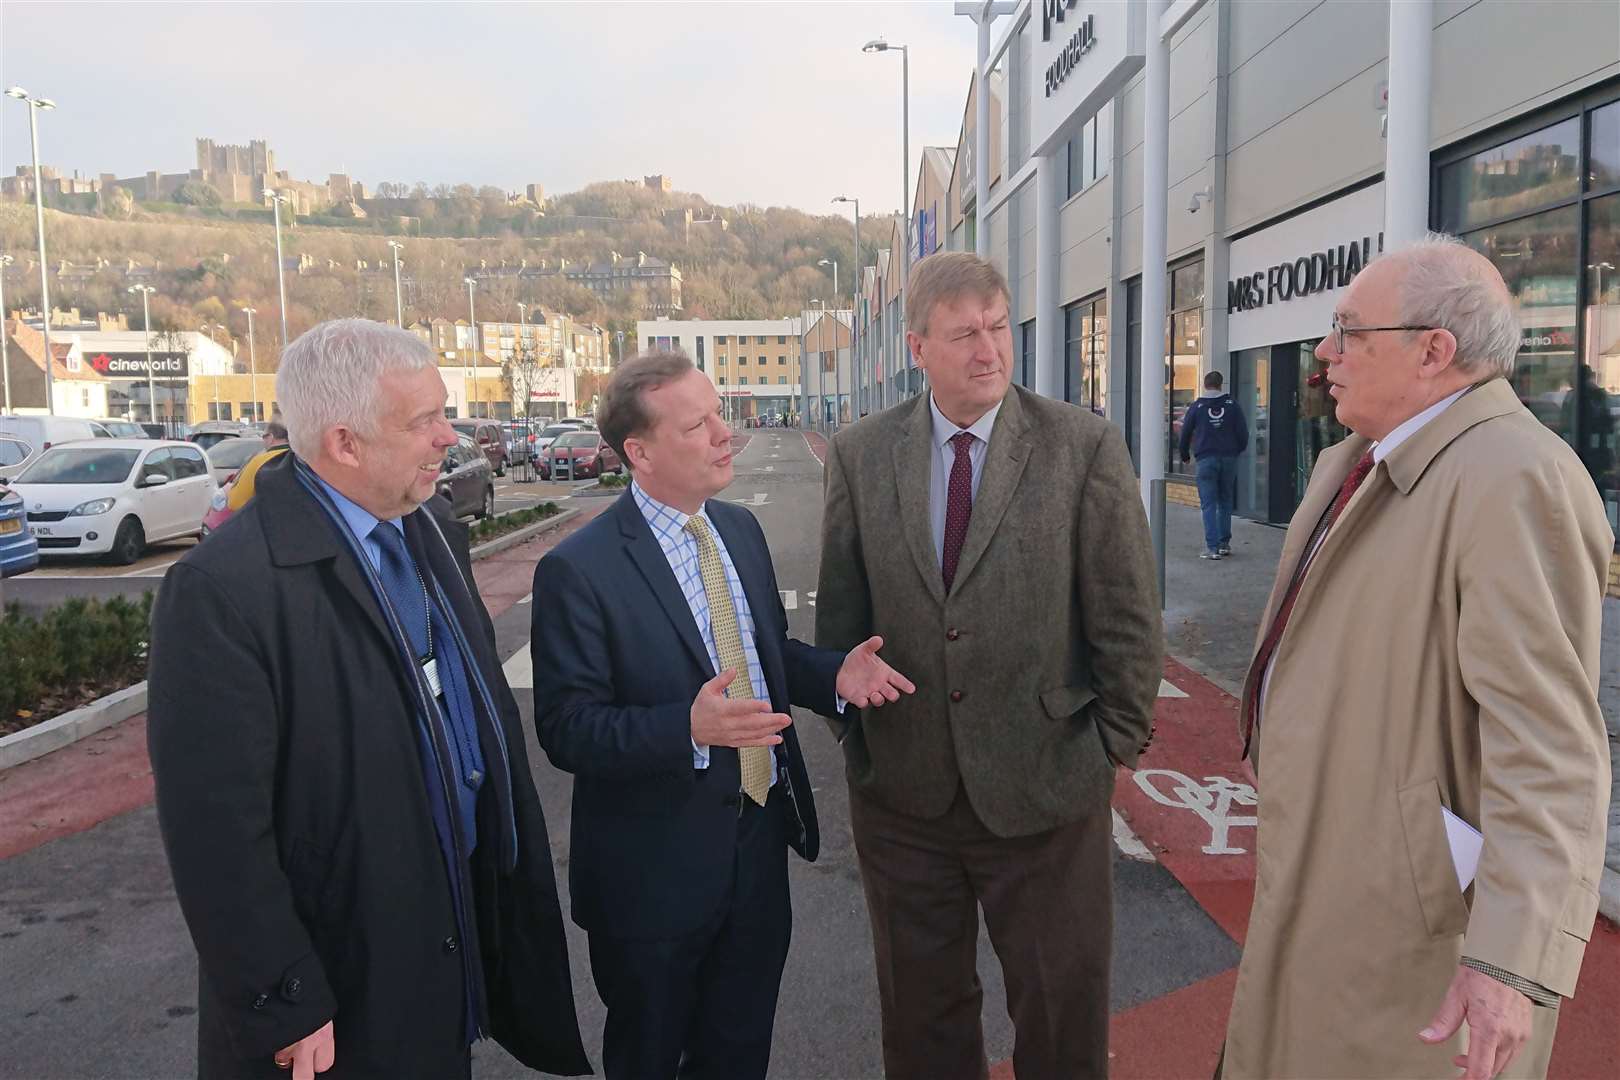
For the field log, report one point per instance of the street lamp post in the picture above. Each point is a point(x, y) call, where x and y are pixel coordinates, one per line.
point(472, 337)
point(399, 302)
point(146, 292)
point(5, 360)
point(877, 46)
point(276, 199)
point(253, 363)
point(862, 375)
point(35, 104)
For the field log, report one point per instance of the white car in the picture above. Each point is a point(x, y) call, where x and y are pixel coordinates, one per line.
point(114, 496)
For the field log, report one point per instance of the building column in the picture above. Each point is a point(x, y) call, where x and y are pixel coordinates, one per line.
point(1406, 145)
point(1155, 199)
point(981, 137)
point(1048, 316)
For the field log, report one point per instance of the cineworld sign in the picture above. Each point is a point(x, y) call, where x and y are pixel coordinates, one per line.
point(1305, 276)
point(1076, 47)
point(118, 365)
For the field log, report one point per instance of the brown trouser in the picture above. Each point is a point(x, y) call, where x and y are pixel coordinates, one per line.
point(1048, 903)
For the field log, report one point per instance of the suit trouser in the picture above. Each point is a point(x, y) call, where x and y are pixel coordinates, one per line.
point(703, 1005)
point(1048, 904)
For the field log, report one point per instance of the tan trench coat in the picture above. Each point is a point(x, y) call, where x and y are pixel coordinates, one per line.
point(1443, 651)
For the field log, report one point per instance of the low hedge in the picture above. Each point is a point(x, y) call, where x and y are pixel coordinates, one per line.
point(612, 480)
point(501, 524)
point(75, 653)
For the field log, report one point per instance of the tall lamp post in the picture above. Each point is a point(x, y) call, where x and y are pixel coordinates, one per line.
point(253, 362)
point(35, 104)
point(276, 199)
point(399, 302)
point(146, 292)
point(861, 374)
point(472, 336)
point(877, 46)
point(5, 360)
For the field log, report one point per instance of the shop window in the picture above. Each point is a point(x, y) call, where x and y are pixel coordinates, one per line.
point(1516, 177)
point(1184, 347)
point(1085, 354)
point(700, 352)
point(1603, 168)
point(1599, 391)
point(1026, 354)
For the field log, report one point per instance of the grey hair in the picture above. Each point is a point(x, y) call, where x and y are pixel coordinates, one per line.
point(329, 375)
point(1450, 285)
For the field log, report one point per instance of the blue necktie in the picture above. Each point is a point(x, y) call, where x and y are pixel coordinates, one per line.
point(430, 636)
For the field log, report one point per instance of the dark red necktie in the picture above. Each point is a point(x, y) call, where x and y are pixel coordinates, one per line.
point(1279, 623)
point(958, 505)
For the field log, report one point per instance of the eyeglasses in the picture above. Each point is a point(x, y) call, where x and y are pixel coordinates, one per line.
point(1339, 330)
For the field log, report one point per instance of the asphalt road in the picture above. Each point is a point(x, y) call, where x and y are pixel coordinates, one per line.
point(101, 973)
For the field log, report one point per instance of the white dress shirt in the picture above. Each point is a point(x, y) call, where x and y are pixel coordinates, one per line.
point(944, 456)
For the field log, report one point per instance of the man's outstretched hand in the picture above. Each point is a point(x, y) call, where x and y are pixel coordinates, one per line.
point(866, 681)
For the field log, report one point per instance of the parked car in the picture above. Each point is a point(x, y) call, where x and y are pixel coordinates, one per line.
point(229, 455)
point(14, 455)
point(487, 434)
point(548, 435)
point(580, 455)
point(124, 429)
point(579, 421)
point(467, 480)
point(167, 429)
point(42, 432)
point(19, 551)
point(209, 432)
point(520, 438)
point(114, 496)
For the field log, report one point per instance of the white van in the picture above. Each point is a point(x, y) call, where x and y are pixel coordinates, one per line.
point(40, 433)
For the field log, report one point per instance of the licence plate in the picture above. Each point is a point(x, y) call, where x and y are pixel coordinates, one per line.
point(41, 530)
point(11, 525)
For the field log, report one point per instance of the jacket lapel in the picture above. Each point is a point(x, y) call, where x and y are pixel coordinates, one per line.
point(1003, 467)
point(299, 532)
point(642, 547)
point(913, 474)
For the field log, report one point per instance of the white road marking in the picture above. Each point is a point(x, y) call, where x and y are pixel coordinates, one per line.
point(790, 599)
point(1212, 800)
point(1170, 690)
point(1127, 842)
point(519, 669)
point(526, 598)
point(759, 499)
point(810, 448)
point(770, 468)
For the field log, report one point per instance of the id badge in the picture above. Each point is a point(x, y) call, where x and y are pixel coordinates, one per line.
point(430, 670)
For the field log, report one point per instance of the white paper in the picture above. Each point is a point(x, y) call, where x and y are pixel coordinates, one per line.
point(1465, 842)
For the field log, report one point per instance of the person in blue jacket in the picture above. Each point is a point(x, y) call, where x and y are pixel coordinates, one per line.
point(1215, 432)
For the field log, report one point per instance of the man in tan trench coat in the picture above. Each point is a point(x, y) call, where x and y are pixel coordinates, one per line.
point(1431, 641)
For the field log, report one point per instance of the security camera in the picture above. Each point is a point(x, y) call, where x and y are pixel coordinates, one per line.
point(1197, 196)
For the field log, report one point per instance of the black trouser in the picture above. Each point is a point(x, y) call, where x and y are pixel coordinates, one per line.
point(703, 1005)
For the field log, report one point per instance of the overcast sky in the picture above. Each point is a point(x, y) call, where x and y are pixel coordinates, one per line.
point(760, 102)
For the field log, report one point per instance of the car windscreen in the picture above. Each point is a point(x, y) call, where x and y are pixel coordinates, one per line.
point(233, 453)
point(76, 465)
point(576, 438)
point(556, 430)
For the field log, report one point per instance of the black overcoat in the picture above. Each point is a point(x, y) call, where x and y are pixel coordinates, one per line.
point(292, 804)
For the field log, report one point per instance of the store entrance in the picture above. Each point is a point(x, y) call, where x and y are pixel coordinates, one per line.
point(1290, 424)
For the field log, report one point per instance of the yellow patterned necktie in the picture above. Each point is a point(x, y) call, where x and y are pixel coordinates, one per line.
point(754, 760)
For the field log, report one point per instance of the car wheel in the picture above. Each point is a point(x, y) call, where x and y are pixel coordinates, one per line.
point(487, 510)
point(129, 542)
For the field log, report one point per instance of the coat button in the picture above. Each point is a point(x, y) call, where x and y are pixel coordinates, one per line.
point(261, 1001)
point(952, 634)
point(956, 695)
point(292, 989)
point(451, 944)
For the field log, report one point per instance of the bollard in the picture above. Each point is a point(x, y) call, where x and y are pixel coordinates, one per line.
point(1156, 524)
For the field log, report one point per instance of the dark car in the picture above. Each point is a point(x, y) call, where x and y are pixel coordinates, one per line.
point(579, 455)
point(210, 432)
point(466, 480)
point(490, 439)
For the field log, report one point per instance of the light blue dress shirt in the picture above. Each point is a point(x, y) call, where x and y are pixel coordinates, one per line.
point(360, 522)
point(944, 456)
point(680, 549)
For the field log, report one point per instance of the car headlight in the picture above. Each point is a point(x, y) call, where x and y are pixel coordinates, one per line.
point(94, 506)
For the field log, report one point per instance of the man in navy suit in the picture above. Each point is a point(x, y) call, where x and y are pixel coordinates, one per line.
point(663, 677)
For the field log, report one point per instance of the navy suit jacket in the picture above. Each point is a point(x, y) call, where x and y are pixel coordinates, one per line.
point(618, 660)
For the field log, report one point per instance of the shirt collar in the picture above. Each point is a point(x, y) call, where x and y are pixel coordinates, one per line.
point(944, 429)
point(655, 511)
point(359, 520)
point(1387, 445)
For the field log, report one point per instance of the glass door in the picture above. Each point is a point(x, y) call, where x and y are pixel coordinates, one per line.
point(1315, 425)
